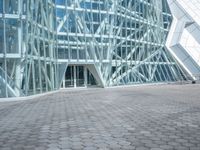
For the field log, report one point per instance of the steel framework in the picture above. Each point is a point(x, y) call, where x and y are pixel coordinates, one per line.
point(124, 39)
point(28, 47)
point(120, 42)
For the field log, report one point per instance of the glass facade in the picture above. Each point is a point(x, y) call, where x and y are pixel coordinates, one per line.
point(46, 45)
point(27, 47)
point(125, 39)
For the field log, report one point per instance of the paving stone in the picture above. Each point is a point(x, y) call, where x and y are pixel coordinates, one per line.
point(142, 148)
point(166, 147)
point(156, 149)
point(148, 117)
point(90, 148)
point(53, 148)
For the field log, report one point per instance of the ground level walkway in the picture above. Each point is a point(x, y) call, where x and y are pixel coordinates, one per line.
point(143, 117)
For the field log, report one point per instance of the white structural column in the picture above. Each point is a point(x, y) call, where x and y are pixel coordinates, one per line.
point(85, 76)
point(74, 76)
point(18, 79)
point(183, 40)
point(18, 66)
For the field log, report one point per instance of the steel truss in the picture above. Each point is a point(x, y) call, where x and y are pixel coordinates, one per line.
point(119, 41)
point(28, 47)
point(124, 39)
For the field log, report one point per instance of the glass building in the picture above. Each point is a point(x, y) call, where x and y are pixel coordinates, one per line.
point(46, 45)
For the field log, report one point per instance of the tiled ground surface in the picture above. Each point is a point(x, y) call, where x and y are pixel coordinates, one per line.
point(146, 117)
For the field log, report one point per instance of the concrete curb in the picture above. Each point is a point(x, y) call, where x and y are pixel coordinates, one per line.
point(17, 99)
point(13, 99)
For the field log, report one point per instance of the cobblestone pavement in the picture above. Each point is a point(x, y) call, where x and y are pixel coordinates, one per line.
point(141, 118)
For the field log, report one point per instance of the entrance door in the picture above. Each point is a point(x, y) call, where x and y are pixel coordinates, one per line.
point(74, 77)
point(69, 77)
point(78, 76)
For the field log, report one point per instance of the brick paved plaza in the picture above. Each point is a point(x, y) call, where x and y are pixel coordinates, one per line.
point(143, 117)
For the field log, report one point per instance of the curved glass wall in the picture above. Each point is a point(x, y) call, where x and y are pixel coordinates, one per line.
point(106, 42)
point(27, 47)
point(124, 39)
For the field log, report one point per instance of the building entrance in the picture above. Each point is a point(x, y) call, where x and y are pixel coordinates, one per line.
point(78, 76)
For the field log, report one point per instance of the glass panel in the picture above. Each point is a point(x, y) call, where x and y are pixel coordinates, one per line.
point(90, 78)
point(11, 36)
point(79, 76)
point(1, 6)
point(1, 36)
point(11, 6)
point(69, 76)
